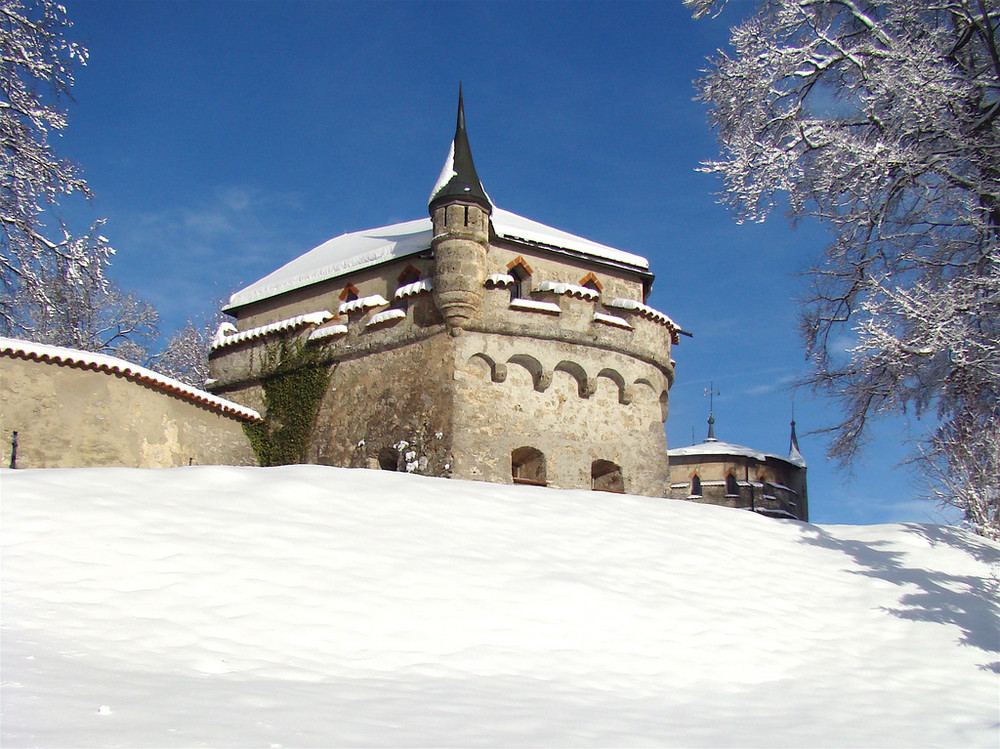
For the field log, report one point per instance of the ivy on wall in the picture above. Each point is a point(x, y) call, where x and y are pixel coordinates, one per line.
point(293, 391)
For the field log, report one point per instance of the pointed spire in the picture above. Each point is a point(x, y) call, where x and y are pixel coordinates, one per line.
point(458, 178)
point(794, 455)
point(711, 428)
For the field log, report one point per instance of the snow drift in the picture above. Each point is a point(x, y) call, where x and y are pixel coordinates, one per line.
point(313, 606)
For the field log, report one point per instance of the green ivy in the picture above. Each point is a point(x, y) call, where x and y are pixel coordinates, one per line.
point(293, 390)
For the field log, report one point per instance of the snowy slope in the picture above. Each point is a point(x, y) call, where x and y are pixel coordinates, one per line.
point(312, 606)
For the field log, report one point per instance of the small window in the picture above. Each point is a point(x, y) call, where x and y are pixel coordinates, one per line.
point(349, 294)
point(410, 275)
point(731, 488)
point(527, 466)
point(520, 271)
point(590, 281)
point(606, 476)
point(388, 459)
point(522, 282)
point(696, 486)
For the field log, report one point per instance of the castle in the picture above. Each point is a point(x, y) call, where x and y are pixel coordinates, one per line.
point(721, 473)
point(473, 344)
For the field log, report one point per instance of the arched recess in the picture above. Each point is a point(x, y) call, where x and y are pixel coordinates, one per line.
point(606, 476)
point(732, 489)
point(624, 391)
point(498, 370)
point(696, 485)
point(539, 376)
point(388, 459)
point(527, 466)
point(586, 386)
point(664, 405)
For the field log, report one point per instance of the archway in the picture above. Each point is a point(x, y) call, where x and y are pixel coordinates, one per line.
point(606, 476)
point(527, 466)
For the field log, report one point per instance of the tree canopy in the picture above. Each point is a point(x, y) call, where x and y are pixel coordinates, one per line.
point(881, 119)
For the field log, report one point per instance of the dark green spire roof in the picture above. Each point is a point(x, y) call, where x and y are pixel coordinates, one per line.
point(458, 178)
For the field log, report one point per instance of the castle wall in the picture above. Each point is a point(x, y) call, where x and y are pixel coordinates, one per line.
point(563, 400)
point(398, 400)
point(68, 417)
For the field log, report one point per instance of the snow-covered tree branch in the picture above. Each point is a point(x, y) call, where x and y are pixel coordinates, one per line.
point(881, 119)
point(52, 283)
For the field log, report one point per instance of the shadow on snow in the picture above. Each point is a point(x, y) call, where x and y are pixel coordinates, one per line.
point(968, 602)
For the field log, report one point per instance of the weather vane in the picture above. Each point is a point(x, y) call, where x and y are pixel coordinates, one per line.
point(711, 392)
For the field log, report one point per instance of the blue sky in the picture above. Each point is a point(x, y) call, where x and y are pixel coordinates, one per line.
point(222, 139)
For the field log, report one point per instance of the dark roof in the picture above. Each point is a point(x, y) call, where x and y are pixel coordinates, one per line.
point(458, 178)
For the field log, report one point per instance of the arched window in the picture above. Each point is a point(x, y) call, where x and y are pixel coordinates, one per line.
point(527, 466)
point(696, 486)
point(731, 488)
point(520, 271)
point(388, 459)
point(606, 476)
point(349, 294)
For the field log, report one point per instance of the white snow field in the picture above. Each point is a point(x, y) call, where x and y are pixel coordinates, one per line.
point(314, 606)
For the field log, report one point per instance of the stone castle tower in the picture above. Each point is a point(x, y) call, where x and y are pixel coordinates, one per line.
point(474, 344)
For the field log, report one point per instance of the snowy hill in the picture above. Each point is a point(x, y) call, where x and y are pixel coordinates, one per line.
point(311, 606)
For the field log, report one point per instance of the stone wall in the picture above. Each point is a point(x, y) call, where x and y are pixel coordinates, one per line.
point(390, 409)
point(68, 417)
point(574, 404)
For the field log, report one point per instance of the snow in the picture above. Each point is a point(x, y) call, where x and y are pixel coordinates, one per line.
point(621, 322)
point(317, 606)
point(644, 310)
point(328, 331)
point(534, 306)
point(386, 316)
point(364, 249)
point(568, 288)
point(447, 173)
point(715, 447)
point(499, 279)
point(113, 365)
point(225, 337)
point(414, 288)
point(363, 303)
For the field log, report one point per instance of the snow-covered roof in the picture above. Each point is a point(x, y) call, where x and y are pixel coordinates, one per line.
point(112, 365)
point(363, 249)
point(714, 447)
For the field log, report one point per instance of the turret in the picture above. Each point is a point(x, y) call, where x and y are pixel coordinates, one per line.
point(460, 211)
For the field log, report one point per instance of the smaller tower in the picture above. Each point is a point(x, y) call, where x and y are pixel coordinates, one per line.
point(797, 481)
point(460, 211)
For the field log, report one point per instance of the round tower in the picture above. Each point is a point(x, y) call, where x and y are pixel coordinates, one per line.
point(460, 211)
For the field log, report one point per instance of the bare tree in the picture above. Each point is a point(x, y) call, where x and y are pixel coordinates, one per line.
point(52, 283)
point(880, 118)
point(185, 356)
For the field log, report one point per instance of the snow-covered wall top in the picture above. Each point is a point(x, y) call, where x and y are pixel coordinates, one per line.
point(363, 249)
point(226, 335)
point(111, 365)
